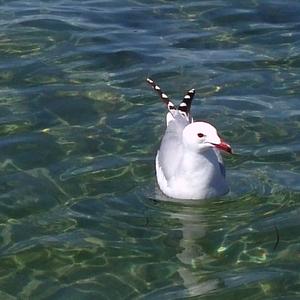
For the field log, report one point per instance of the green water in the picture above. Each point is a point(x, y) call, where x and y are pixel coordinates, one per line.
point(80, 215)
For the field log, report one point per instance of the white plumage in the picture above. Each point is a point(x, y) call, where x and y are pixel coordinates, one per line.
point(188, 163)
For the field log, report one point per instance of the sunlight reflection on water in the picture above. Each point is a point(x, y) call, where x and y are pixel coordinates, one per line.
point(80, 213)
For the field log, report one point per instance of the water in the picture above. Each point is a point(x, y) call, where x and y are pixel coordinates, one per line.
point(79, 215)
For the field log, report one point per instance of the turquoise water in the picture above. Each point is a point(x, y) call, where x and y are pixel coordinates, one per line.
point(80, 215)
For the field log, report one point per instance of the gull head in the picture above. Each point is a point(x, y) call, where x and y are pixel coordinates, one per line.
point(201, 136)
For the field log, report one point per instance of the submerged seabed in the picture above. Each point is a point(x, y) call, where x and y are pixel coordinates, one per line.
point(80, 215)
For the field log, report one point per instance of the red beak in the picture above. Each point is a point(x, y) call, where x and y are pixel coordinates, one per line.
point(224, 146)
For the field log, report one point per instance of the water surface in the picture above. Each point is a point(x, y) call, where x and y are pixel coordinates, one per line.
point(80, 216)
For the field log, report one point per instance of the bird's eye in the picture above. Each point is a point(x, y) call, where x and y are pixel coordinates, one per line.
point(200, 135)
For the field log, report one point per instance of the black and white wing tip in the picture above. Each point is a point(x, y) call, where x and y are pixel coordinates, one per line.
point(164, 97)
point(186, 103)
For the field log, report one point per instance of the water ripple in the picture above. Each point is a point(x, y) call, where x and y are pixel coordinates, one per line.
point(80, 213)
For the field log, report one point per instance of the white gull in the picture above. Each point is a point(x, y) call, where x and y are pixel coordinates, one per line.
point(189, 164)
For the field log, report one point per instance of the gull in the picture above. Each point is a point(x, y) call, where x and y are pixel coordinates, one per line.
point(188, 163)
